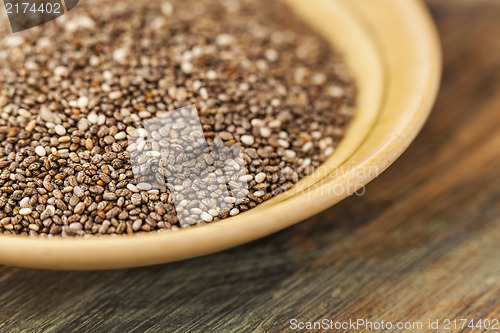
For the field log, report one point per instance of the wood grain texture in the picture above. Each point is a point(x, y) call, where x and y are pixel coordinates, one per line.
point(422, 243)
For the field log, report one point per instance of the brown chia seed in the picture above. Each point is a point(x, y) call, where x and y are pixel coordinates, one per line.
point(72, 90)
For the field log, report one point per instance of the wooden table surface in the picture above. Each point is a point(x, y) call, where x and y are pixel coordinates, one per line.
point(422, 244)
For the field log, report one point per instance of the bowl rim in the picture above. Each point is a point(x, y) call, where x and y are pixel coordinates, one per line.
point(422, 43)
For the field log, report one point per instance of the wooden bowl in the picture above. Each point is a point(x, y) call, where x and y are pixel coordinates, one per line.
point(392, 49)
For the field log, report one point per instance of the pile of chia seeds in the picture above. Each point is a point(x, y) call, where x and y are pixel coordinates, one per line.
point(74, 90)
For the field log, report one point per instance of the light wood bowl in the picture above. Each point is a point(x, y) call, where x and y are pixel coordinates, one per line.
point(392, 49)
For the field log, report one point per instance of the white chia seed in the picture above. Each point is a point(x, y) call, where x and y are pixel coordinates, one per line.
point(40, 151)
